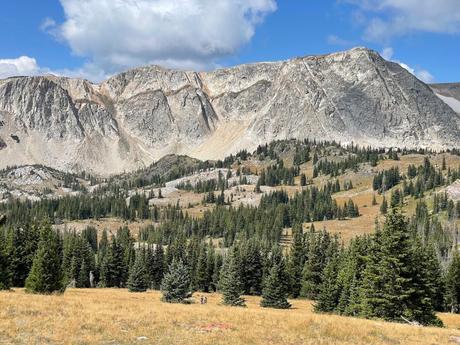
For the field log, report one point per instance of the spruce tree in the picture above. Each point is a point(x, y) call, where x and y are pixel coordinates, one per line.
point(276, 283)
point(384, 206)
point(201, 274)
point(296, 261)
point(303, 180)
point(45, 275)
point(425, 286)
point(453, 284)
point(83, 275)
point(328, 297)
point(274, 293)
point(137, 281)
point(5, 269)
point(393, 286)
point(158, 266)
point(176, 283)
point(252, 270)
point(21, 248)
point(230, 281)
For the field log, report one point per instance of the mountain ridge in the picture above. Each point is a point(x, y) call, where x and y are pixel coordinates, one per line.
point(142, 114)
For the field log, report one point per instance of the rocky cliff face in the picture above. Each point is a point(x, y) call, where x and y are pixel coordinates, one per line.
point(449, 93)
point(143, 114)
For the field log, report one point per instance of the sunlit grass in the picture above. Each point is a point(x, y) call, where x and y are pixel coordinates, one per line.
point(115, 316)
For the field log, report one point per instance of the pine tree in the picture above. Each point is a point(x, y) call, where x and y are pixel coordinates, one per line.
point(328, 297)
point(274, 293)
point(45, 275)
point(176, 283)
point(21, 248)
point(303, 180)
point(113, 266)
point(218, 262)
point(201, 274)
point(453, 284)
point(296, 262)
point(252, 268)
point(393, 286)
point(137, 281)
point(425, 275)
point(230, 281)
point(83, 275)
point(384, 206)
point(5, 269)
point(158, 266)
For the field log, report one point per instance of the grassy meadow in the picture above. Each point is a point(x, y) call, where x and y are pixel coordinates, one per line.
point(115, 316)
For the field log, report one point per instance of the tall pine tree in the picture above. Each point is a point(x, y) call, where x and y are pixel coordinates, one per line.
point(230, 280)
point(274, 293)
point(176, 283)
point(137, 281)
point(45, 275)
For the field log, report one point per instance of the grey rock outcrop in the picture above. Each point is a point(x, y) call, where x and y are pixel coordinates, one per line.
point(449, 93)
point(140, 115)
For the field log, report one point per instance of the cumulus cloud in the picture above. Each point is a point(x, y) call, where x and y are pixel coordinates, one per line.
point(389, 18)
point(188, 34)
point(20, 66)
point(422, 74)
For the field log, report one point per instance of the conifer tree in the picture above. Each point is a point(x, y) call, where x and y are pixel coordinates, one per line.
point(137, 281)
point(274, 293)
point(210, 264)
point(296, 261)
point(230, 281)
point(303, 180)
point(329, 293)
point(176, 283)
point(5, 270)
point(252, 268)
point(218, 262)
point(201, 274)
point(426, 277)
point(45, 275)
point(453, 285)
point(390, 287)
point(21, 248)
point(158, 266)
point(384, 206)
point(83, 275)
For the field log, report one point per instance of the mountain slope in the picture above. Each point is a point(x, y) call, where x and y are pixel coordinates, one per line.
point(140, 115)
point(449, 93)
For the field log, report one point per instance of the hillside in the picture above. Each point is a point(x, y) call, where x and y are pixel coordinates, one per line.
point(306, 210)
point(141, 115)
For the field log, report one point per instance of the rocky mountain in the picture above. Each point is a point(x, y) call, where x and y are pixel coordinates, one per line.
point(449, 93)
point(138, 116)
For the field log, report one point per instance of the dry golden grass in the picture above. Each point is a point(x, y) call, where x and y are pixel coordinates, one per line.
point(110, 224)
point(115, 316)
point(364, 224)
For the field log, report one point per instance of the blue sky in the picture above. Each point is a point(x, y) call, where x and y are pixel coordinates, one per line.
point(96, 38)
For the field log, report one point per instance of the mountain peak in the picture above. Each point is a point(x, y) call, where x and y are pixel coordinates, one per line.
point(142, 114)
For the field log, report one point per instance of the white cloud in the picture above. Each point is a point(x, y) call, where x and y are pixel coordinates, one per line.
point(387, 53)
point(20, 66)
point(388, 18)
point(422, 74)
point(190, 34)
point(48, 24)
point(338, 41)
